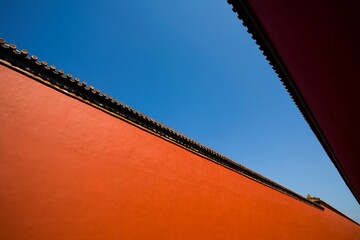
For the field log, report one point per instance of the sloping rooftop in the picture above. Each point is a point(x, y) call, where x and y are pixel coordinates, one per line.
point(313, 47)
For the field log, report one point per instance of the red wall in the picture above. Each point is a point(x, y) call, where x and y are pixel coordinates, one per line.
point(71, 171)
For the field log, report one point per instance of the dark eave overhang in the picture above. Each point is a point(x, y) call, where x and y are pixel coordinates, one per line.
point(21, 62)
point(249, 19)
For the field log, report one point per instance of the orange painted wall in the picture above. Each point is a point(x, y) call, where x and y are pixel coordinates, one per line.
point(71, 171)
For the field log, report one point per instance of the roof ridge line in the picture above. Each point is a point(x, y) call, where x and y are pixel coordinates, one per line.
point(69, 85)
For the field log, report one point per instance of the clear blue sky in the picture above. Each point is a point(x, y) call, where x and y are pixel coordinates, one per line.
point(190, 65)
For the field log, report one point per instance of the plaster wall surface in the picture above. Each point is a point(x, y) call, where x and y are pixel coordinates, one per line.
point(71, 171)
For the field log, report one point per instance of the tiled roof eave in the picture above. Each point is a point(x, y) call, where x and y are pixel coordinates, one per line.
point(258, 34)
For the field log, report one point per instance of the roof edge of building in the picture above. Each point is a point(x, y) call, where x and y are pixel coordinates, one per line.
point(258, 34)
